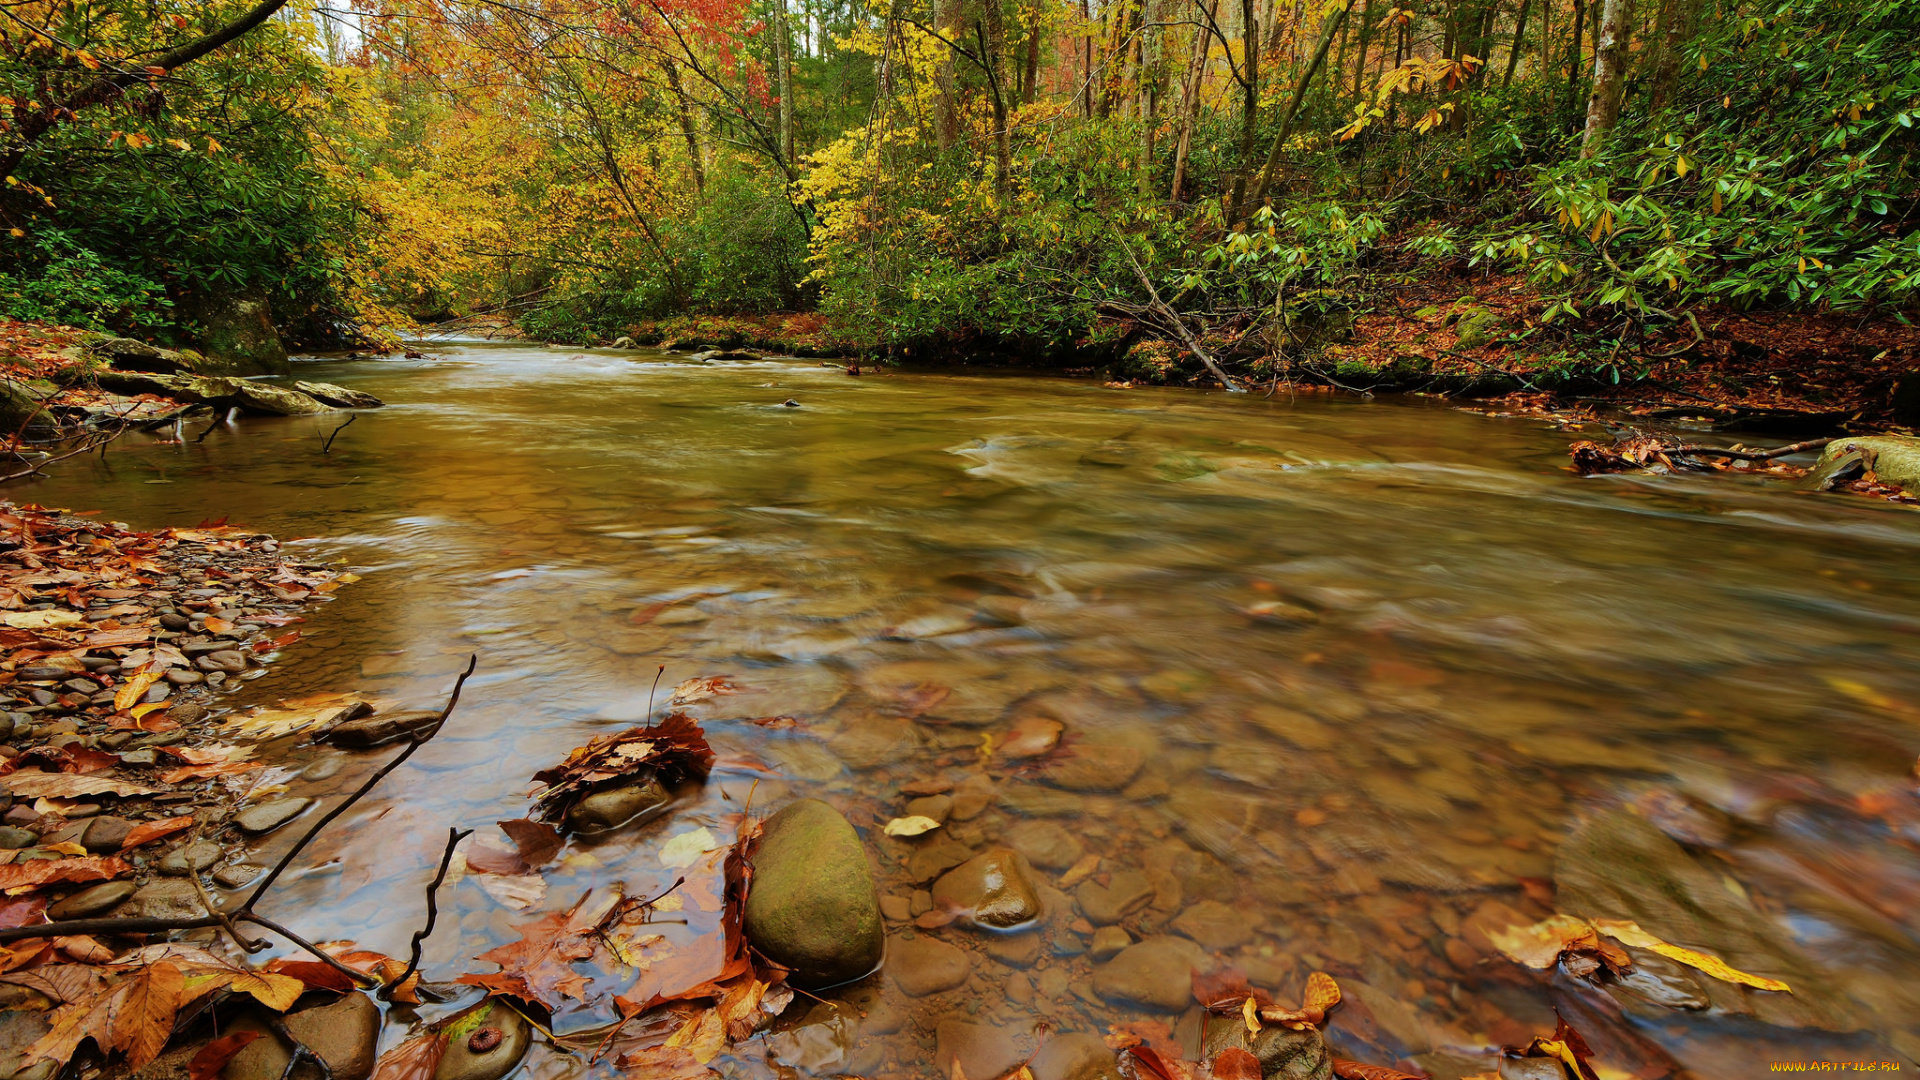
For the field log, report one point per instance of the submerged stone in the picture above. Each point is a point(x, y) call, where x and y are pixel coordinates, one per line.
point(614, 807)
point(1284, 1054)
point(1076, 1056)
point(813, 906)
point(485, 1044)
point(993, 889)
point(1155, 974)
point(345, 1033)
point(927, 965)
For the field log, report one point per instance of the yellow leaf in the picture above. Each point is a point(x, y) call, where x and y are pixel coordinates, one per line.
point(913, 825)
point(68, 848)
point(1322, 993)
point(136, 688)
point(704, 1036)
point(1680, 164)
point(139, 711)
point(1539, 945)
point(1250, 1012)
point(1628, 932)
point(685, 849)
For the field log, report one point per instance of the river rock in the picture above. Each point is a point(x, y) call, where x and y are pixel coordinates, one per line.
point(967, 1049)
point(92, 901)
point(380, 728)
point(1108, 941)
point(338, 396)
point(191, 858)
point(345, 1033)
point(168, 898)
point(993, 889)
point(238, 875)
point(270, 815)
point(1284, 1054)
point(1076, 1056)
point(813, 906)
point(12, 838)
point(614, 807)
point(1126, 892)
point(1096, 767)
point(1155, 974)
point(1046, 844)
point(1215, 925)
point(1031, 737)
point(1619, 865)
point(822, 1040)
point(218, 391)
point(927, 966)
point(485, 1044)
point(1893, 459)
point(130, 355)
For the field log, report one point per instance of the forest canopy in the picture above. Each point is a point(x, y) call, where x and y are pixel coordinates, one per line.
point(1032, 174)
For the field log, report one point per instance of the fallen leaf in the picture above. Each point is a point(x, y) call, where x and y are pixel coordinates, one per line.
point(1233, 1063)
point(42, 620)
point(671, 751)
point(1150, 1059)
point(313, 973)
point(213, 1057)
point(1322, 993)
point(208, 755)
point(380, 965)
point(685, 849)
point(416, 1059)
point(217, 625)
point(21, 876)
point(912, 825)
point(1080, 871)
point(1354, 1070)
point(201, 772)
point(298, 715)
point(537, 841)
point(1566, 1047)
point(21, 912)
point(662, 1063)
point(133, 1015)
point(1540, 945)
point(539, 967)
point(136, 688)
point(701, 689)
point(517, 891)
point(33, 784)
point(1628, 932)
point(149, 831)
point(704, 1036)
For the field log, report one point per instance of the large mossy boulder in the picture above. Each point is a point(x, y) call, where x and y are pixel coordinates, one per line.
point(239, 337)
point(813, 906)
point(127, 354)
point(20, 406)
point(1892, 459)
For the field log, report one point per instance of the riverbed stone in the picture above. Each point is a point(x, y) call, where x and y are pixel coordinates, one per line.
point(167, 898)
point(1030, 737)
point(345, 1033)
point(270, 815)
point(813, 907)
point(1075, 1056)
point(993, 889)
point(485, 1044)
point(1046, 844)
point(191, 858)
point(614, 807)
point(1284, 1054)
point(338, 396)
point(1893, 459)
point(380, 728)
point(1155, 974)
point(237, 875)
point(1125, 892)
point(12, 838)
point(964, 1048)
point(92, 900)
point(927, 965)
point(1215, 925)
point(1096, 767)
point(1108, 941)
point(936, 807)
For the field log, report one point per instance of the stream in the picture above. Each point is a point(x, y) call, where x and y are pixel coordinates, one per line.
point(1392, 673)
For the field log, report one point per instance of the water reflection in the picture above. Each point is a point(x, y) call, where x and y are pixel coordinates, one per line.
point(1342, 685)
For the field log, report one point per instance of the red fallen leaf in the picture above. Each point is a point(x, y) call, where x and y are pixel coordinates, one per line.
point(673, 750)
point(313, 973)
point(22, 912)
point(1234, 1063)
point(132, 635)
point(539, 967)
point(213, 1057)
point(200, 772)
point(778, 723)
point(1354, 1070)
point(266, 645)
point(1149, 1059)
point(664, 1063)
point(1223, 990)
point(1566, 1047)
point(218, 625)
point(149, 831)
point(47, 871)
point(379, 965)
point(415, 1059)
point(701, 689)
point(537, 841)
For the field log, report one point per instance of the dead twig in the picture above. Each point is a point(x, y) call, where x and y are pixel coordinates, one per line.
point(454, 836)
point(1754, 455)
point(301, 1051)
point(336, 431)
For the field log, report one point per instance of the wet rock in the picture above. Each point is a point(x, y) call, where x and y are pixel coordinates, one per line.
point(1531, 1069)
point(937, 807)
point(12, 838)
point(934, 854)
point(191, 858)
point(338, 396)
point(184, 677)
point(485, 1044)
point(1394, 1026)
point(972, 797)
point(1155, 974)
point(614, 807)
point(1894, 459)
point(1046, 844)
point(1108, 941)
point(1215, 925)
point(927, 965)
point(993, 889)
point(1126, 891)
point(1096, 767)
point(870, 741)
point(165, 899)
point(1662, 982)
point(896, 908)
point(1031, 737)
point(1015, 950)
point(1284, 1054)
point(822, 1040)
point(237, 876)
point(380, 728)
point(345, 1033)
point(270, 815)
point(813, 906)
point(19, 1029)
point(1618, 865)
point(92, 901)
point(983, 1050)
point(1034, 801)
point(1078, 1056)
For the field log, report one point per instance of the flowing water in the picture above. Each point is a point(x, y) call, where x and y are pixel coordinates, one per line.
point(1384, 677)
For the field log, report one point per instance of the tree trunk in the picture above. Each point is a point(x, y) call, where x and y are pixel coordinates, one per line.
point(1680, 17)
point(1519, 41)
point(1249, 95)
point(1190, 89)
point(695, 159)
point(1032, 74)
point(1327, 30)
point(1086, 66)
point(993, 40)
point(783, 53)
point(1360, 61)
point(1609, 62)
point(1577, 24)
point(946, 106)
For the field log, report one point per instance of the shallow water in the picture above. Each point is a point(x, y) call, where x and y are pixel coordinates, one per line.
point(1380, 662)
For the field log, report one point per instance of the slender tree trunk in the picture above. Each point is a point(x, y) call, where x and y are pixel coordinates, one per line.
point(946, 106)
point(783, 52)
point(1680, 17)
point(1086, 66)
point(1609, 64)
point(1190, 89)
point(1249, 95)
point(1327, 30)
point(1032, 73)
point(695, 158)
point(1519, 40)
point(1574, 56)
point(1360, 61)
point(993, 41)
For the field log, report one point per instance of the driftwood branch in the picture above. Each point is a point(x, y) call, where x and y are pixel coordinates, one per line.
point(1175, 322)
point(328, 448)
point(454, 836)
point(1754, 455)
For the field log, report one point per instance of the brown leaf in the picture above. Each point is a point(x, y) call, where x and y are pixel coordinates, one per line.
point(1354, 1070)
point(701, 689)
point(673, 750)
point(21, 912)
point(663, 1063)
point(1322, 993)
point(201, 772)
point(313, 974)
point(1149, 1059)
point(1221, 990)
point(415, 1059)
point(33, 784)
point(148, 831)
point(539, 967)
point(47, 871)
point(535, 844)
point(1566, 1047)
point(213, 1057)
point(133, 1015)
point(1234, 1063)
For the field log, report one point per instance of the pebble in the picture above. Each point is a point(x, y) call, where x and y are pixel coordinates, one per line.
point(162, 900)
point(344, 1031)
point(1155, 974)
point(371, 731)
point(193, 857)
point(12, 838)
point(926, 965)
point(237, 876)
point(968, 1049)
point(1215, 925)
point(1075, 1056)
point(937, 807)
point(142, 756)
point(184, 677)
point(896, 908)
point(972, 797)
point(325, 767)
point(1108, 941)
point(614, 807)
point(270, 815)
point(40, 674)
point(105, 834)
point(92, 900)
point(1126, 891)
point(1031, 737)
point(1046, 844)
point(993, 889)
point(1096, 767)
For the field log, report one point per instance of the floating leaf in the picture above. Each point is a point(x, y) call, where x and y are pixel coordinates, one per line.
point(687, 848)
point(149, 831)
point(1628, 932)
point(912, 825)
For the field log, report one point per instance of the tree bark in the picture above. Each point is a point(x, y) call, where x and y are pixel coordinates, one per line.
point(1679, 17)
point(1032, 74)
point(1190, 90)
point(946, 106)
point(783, 52)
point(1609, 62)
point(1577, 24)
point(695, 158)
point(1519, 41)
point(993, 41)
point(1327, 32)
point(1249, 94)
